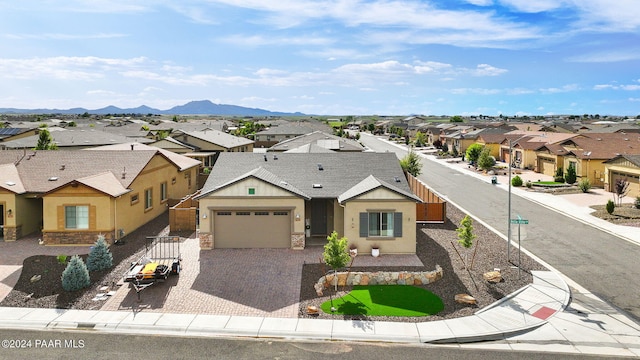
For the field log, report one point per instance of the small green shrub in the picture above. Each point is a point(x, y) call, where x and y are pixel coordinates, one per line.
point(100, 257)
point(559, 179)
point(75, 276)
point(637, 202)
point(62, 259)
point(571, 177)
point(528, 184)
point(584, 185)
point(611, 206)
point(516, 181)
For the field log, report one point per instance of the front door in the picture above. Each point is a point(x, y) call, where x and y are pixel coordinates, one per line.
point(318, 217)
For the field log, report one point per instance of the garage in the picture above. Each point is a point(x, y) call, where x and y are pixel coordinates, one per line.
point(547, 166)
point(633, 180)
point(247, 228)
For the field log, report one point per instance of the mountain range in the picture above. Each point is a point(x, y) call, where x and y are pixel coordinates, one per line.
point(201, 107)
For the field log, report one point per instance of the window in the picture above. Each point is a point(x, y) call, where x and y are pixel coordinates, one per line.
point(163, 192)
point(223, 213)
point(148, 199)
point(251, 191)
point(280, 213)
point(76, 217)
point(261, 213)
point(381, 224)
point(135, 198)
point(242, 213)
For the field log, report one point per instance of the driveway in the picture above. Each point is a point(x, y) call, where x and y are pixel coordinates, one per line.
point(13, 253)
point(243, 282)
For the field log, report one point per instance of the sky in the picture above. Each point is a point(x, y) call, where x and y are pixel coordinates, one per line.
point(339, 57)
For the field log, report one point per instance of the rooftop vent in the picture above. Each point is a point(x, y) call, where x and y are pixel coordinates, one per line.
point(320, 167)
point(53, 178)
point(275, 157)
point(317, 186)
point(62, 167)
point(396, 179)
point(10, 183)
point(265, 157)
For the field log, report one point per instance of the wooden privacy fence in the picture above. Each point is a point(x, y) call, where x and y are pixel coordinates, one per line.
point(183, 215)
point(433, 209)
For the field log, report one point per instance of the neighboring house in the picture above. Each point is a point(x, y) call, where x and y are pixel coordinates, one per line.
point(275, 134)
point(589, 153)
point(173, 145)
point(72, 139)
point(9, 133)
point(213, 141)
point(320, 140)
point(623, 167)
point(281, 200)
point(73, 196)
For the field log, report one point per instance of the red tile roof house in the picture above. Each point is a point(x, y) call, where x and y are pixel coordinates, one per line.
point(72, 196)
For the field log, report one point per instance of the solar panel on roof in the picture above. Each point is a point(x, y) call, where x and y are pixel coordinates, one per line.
point(10, 131)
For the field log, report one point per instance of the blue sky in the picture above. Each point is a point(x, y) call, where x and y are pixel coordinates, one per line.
point(341, 57)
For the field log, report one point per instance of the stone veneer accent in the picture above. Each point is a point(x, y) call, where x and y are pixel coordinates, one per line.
point(382, 278)
point(12, 233)
point(75, 237)
point(206, 241)
point(298, 241)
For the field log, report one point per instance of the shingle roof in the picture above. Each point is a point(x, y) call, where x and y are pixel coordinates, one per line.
point(316, 175)
point(218, 137)
point(43, 171)
point(73, 138)
point(180, 161)
point(321, 139)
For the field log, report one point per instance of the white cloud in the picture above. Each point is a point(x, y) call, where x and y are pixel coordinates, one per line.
point(487, 70)
point(535, 6)
point(563, 89)
point(632, 87)
point(613, 55)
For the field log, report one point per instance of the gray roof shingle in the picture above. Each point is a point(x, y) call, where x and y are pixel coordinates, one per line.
point(316, 175)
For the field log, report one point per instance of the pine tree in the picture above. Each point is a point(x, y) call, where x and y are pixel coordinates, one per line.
point(100, 257)
point(75, 276)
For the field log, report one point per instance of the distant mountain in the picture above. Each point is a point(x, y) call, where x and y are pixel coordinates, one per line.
point(202, 107)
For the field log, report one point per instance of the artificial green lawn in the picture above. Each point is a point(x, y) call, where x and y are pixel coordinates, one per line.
point(385, 300)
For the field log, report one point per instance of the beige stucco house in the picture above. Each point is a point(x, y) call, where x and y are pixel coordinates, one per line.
point(285, 200)
point(73, 196)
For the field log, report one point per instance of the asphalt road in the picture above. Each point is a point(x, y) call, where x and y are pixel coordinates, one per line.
point(604, 264)
point(24, 344)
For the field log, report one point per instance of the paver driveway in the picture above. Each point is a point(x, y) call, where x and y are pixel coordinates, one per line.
point(244, 282)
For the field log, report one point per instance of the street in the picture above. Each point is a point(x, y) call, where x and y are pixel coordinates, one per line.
point(603, 263)
point(100, 345)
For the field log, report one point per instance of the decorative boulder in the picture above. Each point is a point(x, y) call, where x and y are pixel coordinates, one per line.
point(465, 299)
point(493, 276)
point(319, 289)
point(312, 309)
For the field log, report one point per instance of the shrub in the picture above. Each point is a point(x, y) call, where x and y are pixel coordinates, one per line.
point(100, 257)
point(62, 259)
point(559, 179)
point(584, 185)
point(637, 202)
point(516, 181)
point(473, 152)
point(611, 206)
point(485, 160)
point(75, 276)
point(528, 184)
point(571, 174)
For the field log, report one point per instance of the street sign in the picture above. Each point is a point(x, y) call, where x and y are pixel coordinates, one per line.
point(519, 221)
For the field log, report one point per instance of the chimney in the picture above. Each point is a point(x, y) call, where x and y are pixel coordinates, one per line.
point(132, 147)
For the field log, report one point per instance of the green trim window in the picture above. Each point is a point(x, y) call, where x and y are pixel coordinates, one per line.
point(251, 191)
point(76, 217)
point(148, 199)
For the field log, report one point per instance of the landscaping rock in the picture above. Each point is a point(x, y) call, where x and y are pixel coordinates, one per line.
point(312, 309)
point(35, 278)
point(319, 289)
point(465, 299)
point(493, 276)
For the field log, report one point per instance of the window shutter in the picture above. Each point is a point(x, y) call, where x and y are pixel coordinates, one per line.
point(397, 224)
point(61, 217)
point(364, 224)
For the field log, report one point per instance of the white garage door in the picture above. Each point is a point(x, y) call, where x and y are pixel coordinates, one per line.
point(252, 229)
